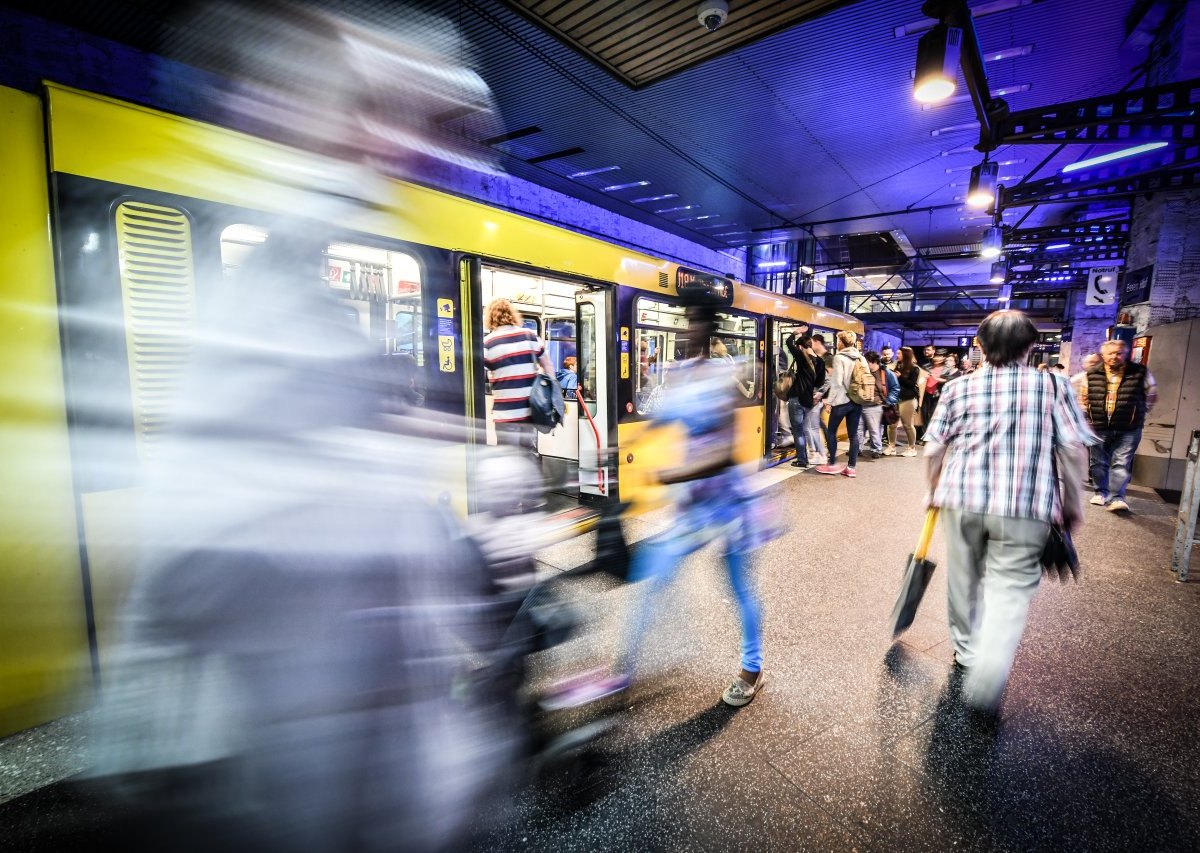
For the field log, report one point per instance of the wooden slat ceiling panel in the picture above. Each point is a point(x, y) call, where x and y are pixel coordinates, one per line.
point(643, 41)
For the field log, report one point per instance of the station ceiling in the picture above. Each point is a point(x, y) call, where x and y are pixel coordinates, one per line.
point(813, 121)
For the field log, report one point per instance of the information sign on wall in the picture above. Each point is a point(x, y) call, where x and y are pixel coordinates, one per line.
point(1102, 286)
point(1136, 287)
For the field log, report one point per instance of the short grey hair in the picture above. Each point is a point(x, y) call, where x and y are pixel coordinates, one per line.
point(1117, 342)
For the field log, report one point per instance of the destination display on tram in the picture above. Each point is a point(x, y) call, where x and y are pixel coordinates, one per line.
point(718, 288)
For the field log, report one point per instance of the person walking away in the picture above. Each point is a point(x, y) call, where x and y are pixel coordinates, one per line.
point(908, 375)
point(1011, 432)
point(513, 356)
point(808, 377)
point(1117, 396)
point(872, 416)
point(848, 365)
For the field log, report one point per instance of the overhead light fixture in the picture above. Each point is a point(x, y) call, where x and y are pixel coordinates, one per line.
point(806, 269)
point(614, 187)
point(1008, 53)
point(770, 265)
point(999, 272)
point(937, 64)
point(674, 209)
point(979, 10)
point(730, 233)
point(993, 243)
point(1114, 155)
point(982, 192)
point(1054, 247)
point(1005, 293)
point(963, 98)
point(1014, 162)
point(586, 172)
point(955, 128)
point(655, 198)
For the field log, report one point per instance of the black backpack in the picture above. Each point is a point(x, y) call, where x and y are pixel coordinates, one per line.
point(546, 404)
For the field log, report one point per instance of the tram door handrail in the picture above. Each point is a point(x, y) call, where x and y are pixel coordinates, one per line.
point(601, 473)
point(1189, 506)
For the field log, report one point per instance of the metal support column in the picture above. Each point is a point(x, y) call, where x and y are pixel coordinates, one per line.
point(1189, 505)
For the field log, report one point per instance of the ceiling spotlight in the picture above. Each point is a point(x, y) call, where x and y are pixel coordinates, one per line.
point(999, 272)
point(1005, 293)
point(937, 64)
point(982, 192)
point(993, 242)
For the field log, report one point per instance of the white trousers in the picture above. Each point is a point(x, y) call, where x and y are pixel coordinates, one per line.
point(994, 566)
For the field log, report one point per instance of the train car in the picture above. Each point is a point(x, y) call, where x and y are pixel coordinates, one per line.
point(117, 220)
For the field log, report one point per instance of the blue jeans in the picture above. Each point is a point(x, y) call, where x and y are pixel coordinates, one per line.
point(657, 561)
point(1112, 461)
point(851, 413)
point(796, 414)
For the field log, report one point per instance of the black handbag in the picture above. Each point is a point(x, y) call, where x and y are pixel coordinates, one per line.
point(1059, 559)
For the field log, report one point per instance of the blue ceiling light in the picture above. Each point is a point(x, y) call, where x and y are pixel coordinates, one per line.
point(655, 198)
point(586, 172)
point(770, 265)
point(613, 188)
point(674, 209)
point(1054, 247)
point(982, 192)
point(1114, 155)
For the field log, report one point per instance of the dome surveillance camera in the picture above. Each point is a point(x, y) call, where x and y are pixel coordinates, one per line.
point(712, 13)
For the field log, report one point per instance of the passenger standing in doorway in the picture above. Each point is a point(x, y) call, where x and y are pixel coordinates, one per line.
point(908, 374)
point(809, 378)
point(568, 379)
point(841, 408)
point(513, 356)
point(1009, 427)
point(1116, 396)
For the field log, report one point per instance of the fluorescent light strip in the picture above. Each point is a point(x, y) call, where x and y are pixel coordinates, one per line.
point(628, 186)
point(955, 128)
point(1114, 155)
point(730, 233)
point(677, 209)
point(655, 198)
point(770, 265)
point(588, 172)
point(962, 99)
point(710, 216)
point(716, 225)
point(1007, 53)
point(953, 169)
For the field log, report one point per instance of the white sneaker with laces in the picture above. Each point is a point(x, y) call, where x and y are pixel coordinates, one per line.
point(1097, 500)
point(1117, 505)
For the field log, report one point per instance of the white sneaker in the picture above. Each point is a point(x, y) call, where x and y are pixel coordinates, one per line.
point(1097, 500)
point(910, 452)
point(1117, 505)
point(889, 451)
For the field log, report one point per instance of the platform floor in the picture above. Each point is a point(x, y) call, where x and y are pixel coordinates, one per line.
point(856, 743)
point(859, 744)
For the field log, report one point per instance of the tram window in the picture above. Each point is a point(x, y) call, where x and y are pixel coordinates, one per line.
point(657, 349)
point(381, 291)
point(586, 362)
point(738, 336)
point(560, 340)
point(237, 242)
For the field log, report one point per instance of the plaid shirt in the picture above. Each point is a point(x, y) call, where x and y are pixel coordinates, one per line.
point(1002, 426)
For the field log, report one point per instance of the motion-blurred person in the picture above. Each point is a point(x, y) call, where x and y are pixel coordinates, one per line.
point(719, 352)
point(1060, 368)
point(887, 392)
point(803, 408)
point(842, 408)
point(712, 505)
point(1116, 397)
point(1006, 427)
point(1080, 379)
point(513, 356)
point(908, 376)
point(938, 375)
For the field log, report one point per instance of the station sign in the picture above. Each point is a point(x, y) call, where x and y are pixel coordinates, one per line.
point(1102, 286)
point(716, 287)
point(1136, 287)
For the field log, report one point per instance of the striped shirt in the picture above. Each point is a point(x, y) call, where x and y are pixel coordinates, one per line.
point(510, 354)
point(1002, 426)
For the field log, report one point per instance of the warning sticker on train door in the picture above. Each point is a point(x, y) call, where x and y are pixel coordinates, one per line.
point(445, 307)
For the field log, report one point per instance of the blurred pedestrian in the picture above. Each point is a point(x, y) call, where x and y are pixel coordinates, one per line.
point(908, 375)
point(1079, 379)
point(1013, 434)
point(1116, 396)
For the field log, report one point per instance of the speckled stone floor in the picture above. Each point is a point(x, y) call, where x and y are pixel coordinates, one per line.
point(858, 743)
point(861, 744)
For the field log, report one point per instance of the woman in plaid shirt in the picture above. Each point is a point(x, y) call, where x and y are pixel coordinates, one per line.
point(998, 441)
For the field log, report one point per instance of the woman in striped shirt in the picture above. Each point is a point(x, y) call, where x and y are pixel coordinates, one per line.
point(513, 356)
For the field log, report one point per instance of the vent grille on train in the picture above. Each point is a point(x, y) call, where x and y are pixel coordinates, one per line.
point(158, 285)
point(662, 279)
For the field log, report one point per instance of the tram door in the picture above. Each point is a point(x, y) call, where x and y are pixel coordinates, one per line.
point(779, 439)
point(595, 392)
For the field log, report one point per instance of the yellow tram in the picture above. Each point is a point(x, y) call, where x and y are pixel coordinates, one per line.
point(122, 213)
